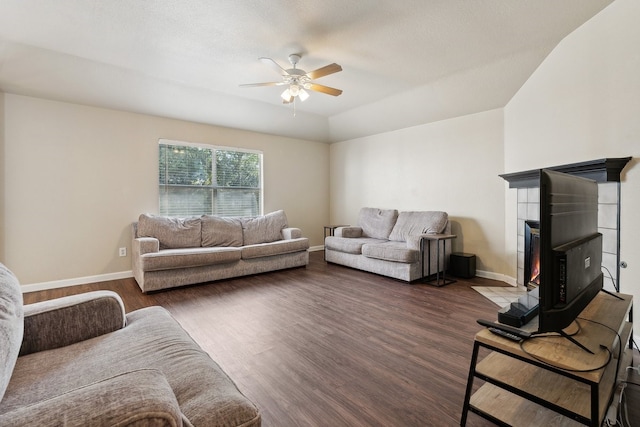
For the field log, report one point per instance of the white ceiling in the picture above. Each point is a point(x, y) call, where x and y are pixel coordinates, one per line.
point(405, 62)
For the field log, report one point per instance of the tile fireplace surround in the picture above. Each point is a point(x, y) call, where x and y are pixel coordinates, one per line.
point(604, 171)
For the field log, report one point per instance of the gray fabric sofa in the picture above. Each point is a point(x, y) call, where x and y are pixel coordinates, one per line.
point(388, 242)
point(80, 361)
point(170, 252)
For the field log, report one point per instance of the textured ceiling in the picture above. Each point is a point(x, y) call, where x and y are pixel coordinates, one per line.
point(404, 62)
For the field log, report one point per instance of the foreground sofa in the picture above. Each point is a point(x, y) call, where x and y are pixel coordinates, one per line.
point(388, 242)
point(80, 361)
point(170, 252)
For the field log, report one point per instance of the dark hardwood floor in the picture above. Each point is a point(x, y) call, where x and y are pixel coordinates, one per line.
point(327, 345)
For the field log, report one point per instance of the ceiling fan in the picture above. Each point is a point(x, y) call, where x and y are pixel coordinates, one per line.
point(298, 80)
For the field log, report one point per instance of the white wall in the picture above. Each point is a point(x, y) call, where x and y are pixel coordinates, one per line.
point(583, 103)
point(451, 165)
point(77, 176)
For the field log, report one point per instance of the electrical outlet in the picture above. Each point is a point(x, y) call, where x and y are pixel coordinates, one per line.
point(122, 251)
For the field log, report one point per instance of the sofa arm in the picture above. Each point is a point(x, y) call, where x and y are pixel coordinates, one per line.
point(145, 245)
point(64, 321)
point(137, 398)
point(291, 233)
point(352, 232)
point(413, 241)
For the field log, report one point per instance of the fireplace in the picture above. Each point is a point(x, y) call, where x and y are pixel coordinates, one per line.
point(531, 254)
point(606, 172)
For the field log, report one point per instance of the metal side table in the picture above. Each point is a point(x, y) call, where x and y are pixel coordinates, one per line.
point(436, 279)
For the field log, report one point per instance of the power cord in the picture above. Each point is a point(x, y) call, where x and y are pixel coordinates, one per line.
point(622, 412)
point(614, 343)
point(616, 286)
point(601, 346)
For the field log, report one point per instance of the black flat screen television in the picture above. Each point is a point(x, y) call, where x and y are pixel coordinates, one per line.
point(570, 249)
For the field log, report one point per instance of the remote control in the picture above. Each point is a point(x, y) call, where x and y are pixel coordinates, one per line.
point(518, 333)
point(505, 334)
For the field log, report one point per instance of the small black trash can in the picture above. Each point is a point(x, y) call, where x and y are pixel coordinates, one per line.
point(462, 265)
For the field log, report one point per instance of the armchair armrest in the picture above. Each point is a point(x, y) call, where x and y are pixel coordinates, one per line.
point(137, 398)
point(351, 231)
point(145, 245)
point(64, 321)
point(142, 245)
point(291, 233)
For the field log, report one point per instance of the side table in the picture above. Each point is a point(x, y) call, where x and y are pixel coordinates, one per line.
point(329, 230)
point(435, 278)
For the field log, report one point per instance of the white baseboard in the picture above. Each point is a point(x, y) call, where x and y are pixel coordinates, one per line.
point(43, 286)
point(496, 276)
point(316, 248)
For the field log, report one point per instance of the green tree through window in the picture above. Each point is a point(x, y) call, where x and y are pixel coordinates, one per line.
point(191, 183)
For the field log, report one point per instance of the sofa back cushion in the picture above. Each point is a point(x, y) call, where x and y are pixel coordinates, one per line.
point(221, 231)
point(415, 223)
point(377, 223)
point(172, 233)
point(11, 325)
point(264, 229)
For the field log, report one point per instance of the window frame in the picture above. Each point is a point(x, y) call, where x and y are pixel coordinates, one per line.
point(214, 185)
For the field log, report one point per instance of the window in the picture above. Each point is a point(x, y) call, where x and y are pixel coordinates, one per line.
point(196, 179)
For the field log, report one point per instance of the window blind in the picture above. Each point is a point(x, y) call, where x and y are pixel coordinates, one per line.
point(196, 180)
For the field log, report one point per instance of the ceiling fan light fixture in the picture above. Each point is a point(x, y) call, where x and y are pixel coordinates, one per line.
point(298, 80)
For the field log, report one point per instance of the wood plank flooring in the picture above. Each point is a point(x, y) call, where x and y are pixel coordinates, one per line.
point(327, 345)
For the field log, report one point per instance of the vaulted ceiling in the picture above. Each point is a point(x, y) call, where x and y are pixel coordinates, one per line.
point(405, 62)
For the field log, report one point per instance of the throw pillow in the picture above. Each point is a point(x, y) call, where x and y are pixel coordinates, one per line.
point(377, 223)
point(173, 233)
point(220, 231)
point(11, 325)
point(264, 229)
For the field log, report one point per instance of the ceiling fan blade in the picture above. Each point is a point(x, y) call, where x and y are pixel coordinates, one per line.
point(324, 71)
point(273, 64)
point(324, 89)
point(262, 84)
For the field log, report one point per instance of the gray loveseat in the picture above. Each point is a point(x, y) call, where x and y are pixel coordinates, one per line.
point(80, 361)
point(388, 242)
point(169, 252)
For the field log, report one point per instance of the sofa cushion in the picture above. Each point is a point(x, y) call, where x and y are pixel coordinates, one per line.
point(11, 325)
point(275, 248)
point(377, 223)
point(264, 229)
point(221, 231)
point(415, 223)
point(391, 251)
point(172, 233)
point(188, 257)
point(348, 244)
